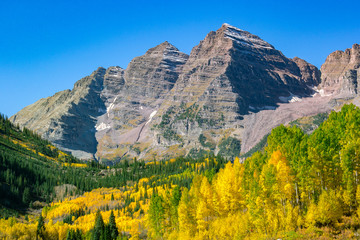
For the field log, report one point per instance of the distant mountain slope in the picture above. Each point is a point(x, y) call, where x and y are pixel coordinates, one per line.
point(68, 118)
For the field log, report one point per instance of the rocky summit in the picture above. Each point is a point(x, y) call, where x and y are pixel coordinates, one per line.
point(223, 97)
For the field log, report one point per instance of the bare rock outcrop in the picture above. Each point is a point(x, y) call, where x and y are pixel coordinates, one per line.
point(310, 74)
point(339, 73)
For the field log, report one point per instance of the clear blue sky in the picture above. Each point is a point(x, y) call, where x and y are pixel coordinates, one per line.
point(46, 46)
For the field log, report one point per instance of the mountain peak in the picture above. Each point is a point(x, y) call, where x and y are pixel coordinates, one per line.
point(162, 47)
point(226, 25)
point(165, 44)
point(243, 37)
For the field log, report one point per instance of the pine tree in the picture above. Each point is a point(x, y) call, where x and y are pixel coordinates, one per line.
point(40, 228)
point(107, 233)
point(73, 235)
point(26, 196)
point(112, 226)
point(98, 231)
point(70, 235)
point(156, 214)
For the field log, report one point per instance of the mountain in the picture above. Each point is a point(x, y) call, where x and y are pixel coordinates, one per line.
point(106, 101)
point(231, 73)
point(224, 97)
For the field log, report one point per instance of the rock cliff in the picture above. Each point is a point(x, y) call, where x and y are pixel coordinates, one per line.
point(340, 72)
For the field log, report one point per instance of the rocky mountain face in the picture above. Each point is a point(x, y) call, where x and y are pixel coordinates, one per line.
point(68, 118)
point(231, 73)
point(340, 72)
point(229, 92)
point(147, 80)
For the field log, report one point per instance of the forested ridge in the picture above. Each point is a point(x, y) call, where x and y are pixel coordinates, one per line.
point(299, 187)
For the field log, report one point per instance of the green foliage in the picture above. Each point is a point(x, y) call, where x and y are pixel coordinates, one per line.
point(320, 118)
point(26, 176)
point(324, 165)
point(99, 229)
point(198, 153)
point(175, 196)
point(207, 144)
point(311, 123)
point(69, 218)
point(230, 147)
point(208, 122)
point(188, 113)
point(112, 227)
point(299, 181)
point(74, 235)
point(170, 134)
point(40, 227)
point(157, 215)
point(166, 118)
point(26, 196)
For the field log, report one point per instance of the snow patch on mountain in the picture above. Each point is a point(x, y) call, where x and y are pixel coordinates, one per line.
point(102, 126)
point(245, 38)
point(111, 106)
point(291, 98)
point(151, 116)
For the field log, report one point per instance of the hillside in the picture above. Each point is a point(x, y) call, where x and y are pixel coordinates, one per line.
point(31, 167)
point(34, 173)
point(300, 187)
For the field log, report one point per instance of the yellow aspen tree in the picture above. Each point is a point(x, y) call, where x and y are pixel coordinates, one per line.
point(329, 208)
point(227, 197)
point(202, 220)
point(206, 193)
point(187, 222)
point(239, 170)
point(292, 217)
point(283, 176)
point(276, 187)
point(311, 215)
